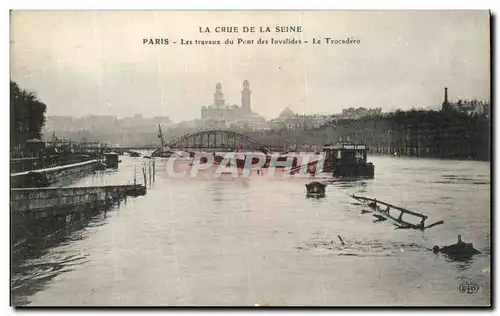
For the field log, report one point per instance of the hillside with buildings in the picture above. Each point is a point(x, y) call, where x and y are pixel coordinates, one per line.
point(460, 129)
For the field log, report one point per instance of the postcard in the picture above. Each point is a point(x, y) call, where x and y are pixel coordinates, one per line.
point(250, 158)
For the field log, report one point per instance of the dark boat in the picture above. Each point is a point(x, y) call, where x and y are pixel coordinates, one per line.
point(458, 251)
point(134, 154)
point(315, 189)
point(136, 190)
point(346, 159)
point(112, 159)
point(162, 153)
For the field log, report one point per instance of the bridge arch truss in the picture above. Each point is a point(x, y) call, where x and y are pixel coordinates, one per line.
point(217, 139)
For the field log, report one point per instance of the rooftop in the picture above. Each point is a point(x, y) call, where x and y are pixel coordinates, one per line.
point(287, 113)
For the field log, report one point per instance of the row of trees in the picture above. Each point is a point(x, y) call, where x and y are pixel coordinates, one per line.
point(27, 117)
point(416, 132)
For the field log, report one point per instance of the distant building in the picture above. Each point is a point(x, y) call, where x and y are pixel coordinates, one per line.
point(195, 124)
point(291, 121)
point(104, 124)
point(219, 115)
point(162, 120)
point(59, 123)
point(360, 112)
point(470, 107)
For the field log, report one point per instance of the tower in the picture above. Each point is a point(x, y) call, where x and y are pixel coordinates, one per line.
point(245, 97)
point(446, 105)
point(218, 95)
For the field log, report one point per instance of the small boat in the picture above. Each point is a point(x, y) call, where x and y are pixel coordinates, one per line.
point(100, 166)
point(315, 189)
point(162, 153)
point(134, 154)
point(136, 190)
point(458, 251)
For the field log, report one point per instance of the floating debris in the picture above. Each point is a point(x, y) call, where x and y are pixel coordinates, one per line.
point(340, 240)
point(385, 214)
point(379, 217)
point(459, 251)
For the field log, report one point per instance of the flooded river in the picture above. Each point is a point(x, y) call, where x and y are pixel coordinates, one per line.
point(259, 240)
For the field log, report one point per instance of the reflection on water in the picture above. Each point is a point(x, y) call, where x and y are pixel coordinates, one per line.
point(360, 248)
point(350, 184)
point(42, 257)
point(461, 263)
point(241, 241)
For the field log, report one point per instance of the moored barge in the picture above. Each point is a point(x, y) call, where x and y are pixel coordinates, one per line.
point(346, 159)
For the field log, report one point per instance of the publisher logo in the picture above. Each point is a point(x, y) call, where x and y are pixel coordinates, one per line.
point(468, 288)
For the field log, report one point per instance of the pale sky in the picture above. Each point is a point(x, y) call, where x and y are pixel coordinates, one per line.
point(95, 63)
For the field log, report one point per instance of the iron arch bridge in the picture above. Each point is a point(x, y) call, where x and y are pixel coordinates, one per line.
point(220, 140)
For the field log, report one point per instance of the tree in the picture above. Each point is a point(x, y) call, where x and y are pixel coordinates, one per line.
point(27, 116)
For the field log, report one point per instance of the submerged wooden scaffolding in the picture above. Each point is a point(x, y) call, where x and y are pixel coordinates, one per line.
point(384, 214)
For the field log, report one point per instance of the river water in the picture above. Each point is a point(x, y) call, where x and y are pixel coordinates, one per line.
point(258, 240)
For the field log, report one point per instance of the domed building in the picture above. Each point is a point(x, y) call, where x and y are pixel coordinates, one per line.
point(286, 120)
point(292, 121)
point(287, 113)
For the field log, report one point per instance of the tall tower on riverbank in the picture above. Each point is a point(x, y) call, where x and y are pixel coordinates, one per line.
point(446, 104)
point(218, 95)
point(245, 97)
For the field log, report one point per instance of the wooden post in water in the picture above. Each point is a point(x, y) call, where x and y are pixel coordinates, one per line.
point(154, 170)
point(145, 177)
point(149, 165)
point(341, 240)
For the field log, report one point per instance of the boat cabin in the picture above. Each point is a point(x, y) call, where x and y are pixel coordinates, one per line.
point(346, 152)
point(346, 158)
point(111, 159)
point(315, 189)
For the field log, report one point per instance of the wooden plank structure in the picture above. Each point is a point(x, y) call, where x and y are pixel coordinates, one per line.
point(386, 214)
point(57, 168)
point(50, 175)
point(52, 201)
